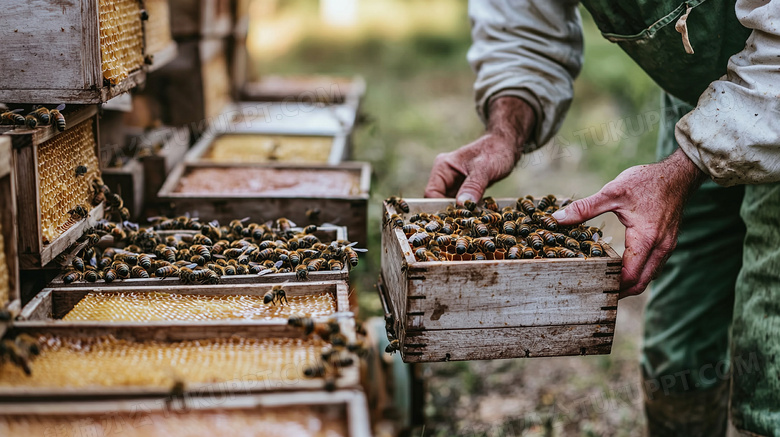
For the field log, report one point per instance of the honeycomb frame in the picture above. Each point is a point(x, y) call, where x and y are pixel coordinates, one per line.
point(158, 28)
point(121, 39)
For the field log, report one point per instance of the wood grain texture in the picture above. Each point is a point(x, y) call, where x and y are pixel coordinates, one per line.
point(54, 303)
point(353, 401)
point(500, 343)
point(487, 299)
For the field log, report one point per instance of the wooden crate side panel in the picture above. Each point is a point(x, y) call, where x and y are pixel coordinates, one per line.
point(26, 181)
point(8, 221)
point(500, 343)
point(394, 276)
point(48, 52)
point(129, 182)
point(494, 294)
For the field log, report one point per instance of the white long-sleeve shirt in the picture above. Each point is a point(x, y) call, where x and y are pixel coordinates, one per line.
point(532, 49)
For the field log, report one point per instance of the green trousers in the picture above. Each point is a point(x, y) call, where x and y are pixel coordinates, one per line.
point(685, 351)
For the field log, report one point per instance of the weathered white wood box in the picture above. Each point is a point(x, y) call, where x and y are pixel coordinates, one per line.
point(481, 310)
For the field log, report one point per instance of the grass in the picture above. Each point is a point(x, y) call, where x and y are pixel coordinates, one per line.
point(419, 103)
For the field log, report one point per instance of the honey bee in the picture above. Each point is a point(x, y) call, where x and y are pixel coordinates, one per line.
point(479, 256)
point(462, 213)
point(548, 237)
point(596, 249)
point(310, 229)
point(490, 204)
point(506, 240)
point(315, 264)
point(585, 234)
point(546, 202)
point(485, 244)
point(335, 265)
point(122, 269)
point(78, 264)
point(91, 276)
point(313, 215)
point(549, 222)
point(462, 244)
point(109, 275)
point(396, 221)
point(491, 218)
point(433, 226)
point(81, 170)
point(392, 347)
point(12, 352)
point(420, 239)
point(526, 205)
point(509, 227)
point(305, 323)
point(481, 229)
point(124, 214)
point(399, 203)
point(31, 121)
point(79, 212)
point(42, 115)
point(12, 117)
point(71, 277)
point(138, 272)
point(470, 204)
point(58, 118)
point(301, 272)
point(315, 371)
point(284, 224)
point(528, 253)
point(535, 241)
point(514, 252)
point(275, 294)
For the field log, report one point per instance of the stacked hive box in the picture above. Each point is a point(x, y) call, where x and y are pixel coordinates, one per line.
point(9, 264)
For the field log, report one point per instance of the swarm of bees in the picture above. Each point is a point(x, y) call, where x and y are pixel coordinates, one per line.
point(20, 351)
point(333, 358)
point(486, 232)
point(40, 116)
point(204, 257)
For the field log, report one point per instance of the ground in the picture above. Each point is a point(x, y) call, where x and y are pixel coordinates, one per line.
point(419, 103)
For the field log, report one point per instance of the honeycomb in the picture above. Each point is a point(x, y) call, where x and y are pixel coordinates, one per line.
point(269, 182)
point(121, 38)
point(264, 148)
point(60, 189)
point(216, 85)
point(145, 306)
point(71, 362)
point(298, 421)
point(5, 274)
point(158, 28)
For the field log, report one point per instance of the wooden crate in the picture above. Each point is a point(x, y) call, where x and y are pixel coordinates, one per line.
point(325, 233)
point(479, 310)
point(160, 48)
point(327, 90)
point(168, 146)
point(55, 54)
point(296, 118)
point(265, 148)
point(345, 412)
point(201, 18)
point(52, 304)
point(195, 87)
point(9, 264)
point(255, 380)
point(34, 249)
point(338, 209)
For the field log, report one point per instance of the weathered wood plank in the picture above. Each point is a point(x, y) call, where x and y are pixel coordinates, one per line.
point(8, 218)
point(509, 342)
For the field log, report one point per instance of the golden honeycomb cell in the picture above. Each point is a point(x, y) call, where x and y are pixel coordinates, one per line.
point(72, 362)
point(5, 274)
point(59, 188)
point(121, 38)
point(158, 27)
point(152, 306)
point(265, 148)
point(298, 421)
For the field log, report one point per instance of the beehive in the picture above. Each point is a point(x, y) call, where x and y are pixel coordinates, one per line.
point(81, 362)
point(121, 38)
point(298, 421)
point(151, 306)
point(265, 148)
point(60, 189)
point(158, 27)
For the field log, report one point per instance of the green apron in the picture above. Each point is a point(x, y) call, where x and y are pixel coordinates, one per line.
point(688, 314)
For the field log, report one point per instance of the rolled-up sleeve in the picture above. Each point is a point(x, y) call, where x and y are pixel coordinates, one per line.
point(734, 132)
point(531, 49)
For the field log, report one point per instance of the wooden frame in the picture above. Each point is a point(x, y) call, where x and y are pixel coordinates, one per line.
point(334, 233)
point(348, 211)
point(52, 304)
point(338, 149)
point(353, 402)
point(172, 332)
point(32, 251)
point(290, 117)
point(52, 54)
point(201, 18)
point(9, 227)
point(477, 310)
point(348, 91)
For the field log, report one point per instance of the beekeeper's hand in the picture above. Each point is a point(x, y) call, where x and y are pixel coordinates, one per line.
point(648, 200)
point(466, 173)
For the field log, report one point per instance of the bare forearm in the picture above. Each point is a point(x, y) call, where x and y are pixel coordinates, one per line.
point(511, 118)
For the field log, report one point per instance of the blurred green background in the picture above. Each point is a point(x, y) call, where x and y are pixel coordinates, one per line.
point(419, 103)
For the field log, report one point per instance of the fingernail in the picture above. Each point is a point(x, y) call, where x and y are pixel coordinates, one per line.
point(464, 197)
point(560, 214)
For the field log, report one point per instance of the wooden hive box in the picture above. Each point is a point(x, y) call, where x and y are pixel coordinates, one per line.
point(249, 147)
point(341, 413)
point(201, 18)
point(480, 310)
point(120, 359)
point(324, 233)
point(328, 90)
point(43, 160)
point(159, 44)
point(167, 148)
point(343, 203)
point(86, 52)
point(9, 263)
point(291, 117)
